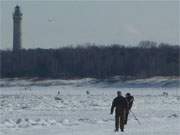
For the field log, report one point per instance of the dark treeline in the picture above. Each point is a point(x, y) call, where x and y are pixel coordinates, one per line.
point(146, 60)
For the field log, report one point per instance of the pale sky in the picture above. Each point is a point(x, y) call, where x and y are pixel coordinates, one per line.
point(53, 24)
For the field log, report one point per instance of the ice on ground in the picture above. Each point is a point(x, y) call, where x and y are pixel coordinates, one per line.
point(116, 81)
point(35, 110)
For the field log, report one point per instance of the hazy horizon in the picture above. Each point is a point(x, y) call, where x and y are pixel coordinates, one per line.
point(56, 24)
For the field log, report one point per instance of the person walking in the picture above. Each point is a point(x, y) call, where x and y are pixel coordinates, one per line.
point(130, 100)
point(120, 104)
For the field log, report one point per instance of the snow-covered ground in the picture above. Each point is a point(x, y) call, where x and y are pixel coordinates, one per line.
point(28, 107)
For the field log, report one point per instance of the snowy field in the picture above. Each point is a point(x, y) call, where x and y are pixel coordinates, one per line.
point(29, 107)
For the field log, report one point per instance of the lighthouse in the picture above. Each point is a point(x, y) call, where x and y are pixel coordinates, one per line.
point(17, 17)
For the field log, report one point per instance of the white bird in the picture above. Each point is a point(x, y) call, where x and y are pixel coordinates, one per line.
point(50, 20)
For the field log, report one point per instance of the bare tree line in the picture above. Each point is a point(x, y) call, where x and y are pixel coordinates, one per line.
point(146, 60)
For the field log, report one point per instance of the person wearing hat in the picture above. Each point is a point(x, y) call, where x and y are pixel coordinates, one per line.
point(130, 100)
point(120, 104)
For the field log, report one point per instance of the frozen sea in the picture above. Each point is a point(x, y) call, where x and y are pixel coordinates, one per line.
point(32, 107)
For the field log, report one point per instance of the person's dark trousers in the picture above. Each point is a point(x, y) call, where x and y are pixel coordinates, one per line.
point(119, 120)
point(126, 119)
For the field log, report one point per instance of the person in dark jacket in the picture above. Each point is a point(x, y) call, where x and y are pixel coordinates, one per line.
point(121, 106)
point(130, 100)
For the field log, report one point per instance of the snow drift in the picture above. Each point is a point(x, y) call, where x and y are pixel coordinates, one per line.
point(111, 82)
